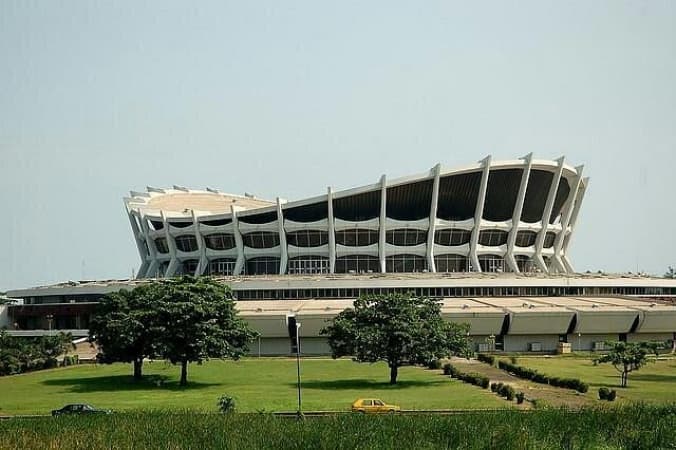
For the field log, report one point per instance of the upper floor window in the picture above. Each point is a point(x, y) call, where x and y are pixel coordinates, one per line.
point(356, 237)
point(307, 238)
point(220, 241)
point(492, 238)
point(161, 245)
point(452, 237)
point(405, 237)
point(186, 243)
point(261, 239)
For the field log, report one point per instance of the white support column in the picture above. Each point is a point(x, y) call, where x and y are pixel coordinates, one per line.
point(138, 237)
point(383, 222)
point(549, 205)
point(284, 257)
point(516, 216)
point(478, 214)
point(202, 264)
point(173, 263)
point(565, 220)
point(154, 264)
point(573, 222)
point(431, 266)
point(239, 243)
point(332, 231)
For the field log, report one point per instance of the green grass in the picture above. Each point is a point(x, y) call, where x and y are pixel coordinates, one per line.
point(655, 382)
point(256, 384)
point(636, 427)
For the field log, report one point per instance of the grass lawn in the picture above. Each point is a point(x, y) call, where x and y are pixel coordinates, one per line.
point(256, 384)
point(655, 382)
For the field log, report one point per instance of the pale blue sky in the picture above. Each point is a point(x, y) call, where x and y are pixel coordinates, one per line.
point(285, 98)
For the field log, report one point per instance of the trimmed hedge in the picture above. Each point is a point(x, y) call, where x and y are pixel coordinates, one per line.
point(471, 378)
point(607, 394)
point(537, 377)
point(488, 359)
point(504, 390)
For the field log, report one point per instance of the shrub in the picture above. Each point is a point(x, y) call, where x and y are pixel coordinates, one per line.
point(494, 387)
point(226, 404)
point(448, 369)
point(434, 364)
point(520, 396)
point(512, 359)
point(537, 377)
point(612, 395)
point(507, 391)
point(488, 359)
point(603, 393)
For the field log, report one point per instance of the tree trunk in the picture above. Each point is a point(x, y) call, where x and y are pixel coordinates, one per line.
point(138, 369)
point(393, 374)
point(184, 373)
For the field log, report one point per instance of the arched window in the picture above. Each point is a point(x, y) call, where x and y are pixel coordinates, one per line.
point(223, 266)
point(356, 237)
point(550, 236)
point(220, 241)
point(189, 266)
point(405, 263)
point(161, 245)
point(451, 263)
point(357, 264)
point(524, 263)
point(492, 238)
point(262, 266)
point(186, 243)
point(308, 265)
point(492, 263)
point(452, 237)
point(307, 238)
point(525, 238)
point(261, 239)
point(405, 237)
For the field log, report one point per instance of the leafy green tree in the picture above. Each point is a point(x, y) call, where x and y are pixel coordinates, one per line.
point(197, 320)
point(398, 329)
point(628, 357)
point(121, 327)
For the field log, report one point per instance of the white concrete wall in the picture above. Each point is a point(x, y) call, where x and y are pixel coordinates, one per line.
point(4, 317)
point(520, 343)
point(585, 342)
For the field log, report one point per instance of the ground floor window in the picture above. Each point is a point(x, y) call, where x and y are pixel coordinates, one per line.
point(308, 265)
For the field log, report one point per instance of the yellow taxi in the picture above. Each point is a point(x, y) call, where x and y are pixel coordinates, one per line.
point(373, 406)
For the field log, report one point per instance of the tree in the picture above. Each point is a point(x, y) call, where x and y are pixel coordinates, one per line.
point(121, 327)
point(671, 273)
point(197, 320)
point(398, 329)
point(628, 357)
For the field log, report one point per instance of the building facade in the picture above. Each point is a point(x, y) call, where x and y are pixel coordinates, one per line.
point(489, 241)
point(507, 216)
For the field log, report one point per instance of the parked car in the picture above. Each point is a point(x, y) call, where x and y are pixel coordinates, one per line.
point(373, 406)
point(79, 409)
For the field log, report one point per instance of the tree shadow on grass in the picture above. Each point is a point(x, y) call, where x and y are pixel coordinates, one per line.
point(123, 383)
point(366, 384)
point(652, 377)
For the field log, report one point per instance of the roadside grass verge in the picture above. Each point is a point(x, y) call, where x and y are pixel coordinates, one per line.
point(634, 426)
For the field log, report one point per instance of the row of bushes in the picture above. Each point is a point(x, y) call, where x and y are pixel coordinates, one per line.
point(537, 377)
point(503, 390)
point(607, 394)
point(471, 378)
point(488, 359)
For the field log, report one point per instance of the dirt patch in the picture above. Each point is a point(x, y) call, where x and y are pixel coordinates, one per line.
point(551, 395)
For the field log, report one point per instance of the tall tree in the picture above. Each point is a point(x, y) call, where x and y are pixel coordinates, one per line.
point(197, 320)
point(628, 357)
point(670, 273)
point(122, 327)
point(398, 329)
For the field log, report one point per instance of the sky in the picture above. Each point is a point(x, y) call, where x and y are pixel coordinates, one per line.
point(283, 99)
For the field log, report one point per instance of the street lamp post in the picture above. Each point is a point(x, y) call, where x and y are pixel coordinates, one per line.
point(49, 318)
